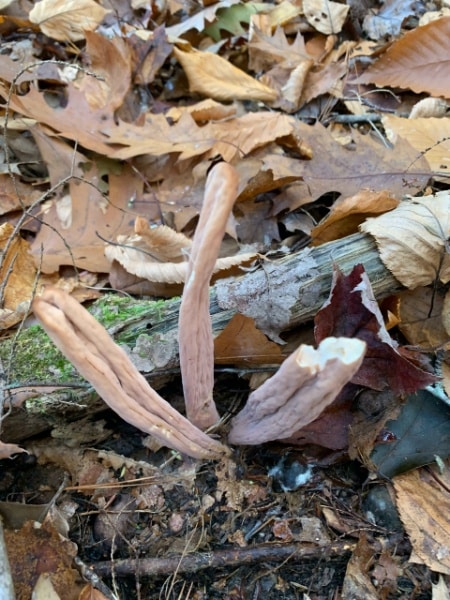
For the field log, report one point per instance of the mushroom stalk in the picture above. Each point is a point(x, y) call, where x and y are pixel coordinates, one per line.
point(107, 367)
point(305, 384)
point(196, 344)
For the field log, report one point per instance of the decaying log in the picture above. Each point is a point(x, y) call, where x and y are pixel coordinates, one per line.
point(279, 293)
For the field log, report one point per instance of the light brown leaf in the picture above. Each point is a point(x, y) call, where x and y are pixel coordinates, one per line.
point(429, 136)
point(17, 274)
point(242, 344)
point(411, 239)
point(147, 256)
point(215, 77)
point(423, 501)
point(76, 240)
point(419, 61)
point(347, 213)
point(325, 16)
point(67, 19)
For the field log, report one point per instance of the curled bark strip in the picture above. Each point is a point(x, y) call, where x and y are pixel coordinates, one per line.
point(195, 329)
point(305, 384)
point(107, 367)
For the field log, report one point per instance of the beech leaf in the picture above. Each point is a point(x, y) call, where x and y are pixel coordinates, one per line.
point(412, 239)
point(420, 61)
point(67, 19)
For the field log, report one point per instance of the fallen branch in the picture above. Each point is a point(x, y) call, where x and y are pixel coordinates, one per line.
point(233, 557)
point(261, 294)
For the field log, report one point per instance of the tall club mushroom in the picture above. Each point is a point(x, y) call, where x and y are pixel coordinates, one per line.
point(196, 344)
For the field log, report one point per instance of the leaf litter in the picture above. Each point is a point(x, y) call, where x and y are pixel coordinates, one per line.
point(113, 119)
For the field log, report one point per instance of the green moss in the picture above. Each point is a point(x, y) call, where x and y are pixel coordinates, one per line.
point(31, 356)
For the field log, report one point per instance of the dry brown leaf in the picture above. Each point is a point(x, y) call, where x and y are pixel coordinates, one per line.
point(215, 77)
point(418, 61)
point(347, 213)
point(18, 277)
point(417, 324)
point(76, 222)
point(411, 239)
point(15, 194)
point(429, 136)
point(91, 593)
point(325, 16)
point(423, 501)
point(206, 110)
point(242, 344)
point(429, 107)
point(67, 19)
point(110, 60)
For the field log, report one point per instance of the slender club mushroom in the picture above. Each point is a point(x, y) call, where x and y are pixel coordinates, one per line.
point(195, 335)
point(305, 384)
point(107, 367)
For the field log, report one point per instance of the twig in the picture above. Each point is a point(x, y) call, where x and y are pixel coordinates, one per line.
point(233, 557)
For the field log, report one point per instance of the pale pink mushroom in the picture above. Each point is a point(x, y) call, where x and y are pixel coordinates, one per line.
point(195, 330)
point(106, 366)
point(305, 384)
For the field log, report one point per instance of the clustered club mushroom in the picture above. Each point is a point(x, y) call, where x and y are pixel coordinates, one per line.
point(306, 383)
point(106, 366)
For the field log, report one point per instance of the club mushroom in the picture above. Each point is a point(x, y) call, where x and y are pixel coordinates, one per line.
point(305, 384)
point(195, 335)
point(107, 367)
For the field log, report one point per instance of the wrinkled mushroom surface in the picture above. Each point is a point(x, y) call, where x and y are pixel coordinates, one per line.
point(305, 384)
point(106, 366)
point(196, 344)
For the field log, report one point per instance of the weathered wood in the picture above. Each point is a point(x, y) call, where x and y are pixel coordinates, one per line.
point(279, 293)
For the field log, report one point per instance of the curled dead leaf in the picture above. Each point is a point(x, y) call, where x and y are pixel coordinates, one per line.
point(412, 239)
point(67, 19)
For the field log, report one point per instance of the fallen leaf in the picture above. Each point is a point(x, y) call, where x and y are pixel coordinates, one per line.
point(215, 77)
point(18, 276)
point(198, 21)
point(422, 318)
point(39, 550)
point(242, 344)
point(418, 61)
point(347, 213)
point(423, 501)
point(160, 254)
point(78, 242)
point(389, 18)
point(429, 136)
point(67, 19)
point(412, 239)
point(357, 581)
point(352, 311)
point(325, 16)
